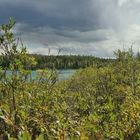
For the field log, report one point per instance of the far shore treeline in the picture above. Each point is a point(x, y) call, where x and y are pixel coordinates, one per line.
point(62, 61)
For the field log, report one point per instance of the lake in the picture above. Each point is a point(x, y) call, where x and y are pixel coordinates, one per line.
point(65, 74)
point(62, 74)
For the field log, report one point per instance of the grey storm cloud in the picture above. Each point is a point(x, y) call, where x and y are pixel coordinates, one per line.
point(80, 15)
point(81, 26)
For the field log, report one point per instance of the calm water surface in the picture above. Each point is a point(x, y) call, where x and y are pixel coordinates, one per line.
point(62, 74)
point(65, 74)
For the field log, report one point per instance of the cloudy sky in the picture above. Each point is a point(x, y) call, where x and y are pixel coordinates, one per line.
point(89, 27)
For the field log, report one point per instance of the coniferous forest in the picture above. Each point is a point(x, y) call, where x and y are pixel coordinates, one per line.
point(62, 61)
point(99, 102)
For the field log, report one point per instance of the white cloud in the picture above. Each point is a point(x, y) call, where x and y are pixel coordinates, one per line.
point(121, 2)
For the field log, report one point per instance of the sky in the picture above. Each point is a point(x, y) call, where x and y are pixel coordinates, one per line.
point(84, 27)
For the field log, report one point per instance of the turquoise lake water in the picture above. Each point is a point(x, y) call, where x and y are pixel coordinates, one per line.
point(65, 74)
point(62, 74)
